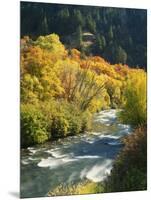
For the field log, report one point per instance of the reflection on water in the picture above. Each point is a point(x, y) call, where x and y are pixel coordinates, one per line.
point(70, 160)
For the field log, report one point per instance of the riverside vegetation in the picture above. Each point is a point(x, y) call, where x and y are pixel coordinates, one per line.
point(60, 91)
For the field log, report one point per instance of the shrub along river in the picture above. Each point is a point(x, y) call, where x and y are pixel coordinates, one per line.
point(73, 159)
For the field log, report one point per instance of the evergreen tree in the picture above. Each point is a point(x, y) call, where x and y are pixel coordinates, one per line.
point(100, 44)
point(110, 33)
point(44, 26)
point(91, 25)
point(121, 55)
point(103, 41)
point(78, 19)
point(124, 27)
point(79, 36)
point(64, 14)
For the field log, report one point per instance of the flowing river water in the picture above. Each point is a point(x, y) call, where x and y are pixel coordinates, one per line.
point(73, 159)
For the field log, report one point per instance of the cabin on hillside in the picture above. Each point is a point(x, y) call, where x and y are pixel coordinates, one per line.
point(87, 36)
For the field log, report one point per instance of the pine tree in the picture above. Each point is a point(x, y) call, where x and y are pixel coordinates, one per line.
point(79, 36)
point(121, 55)
point(44, 26)
point(110, 34)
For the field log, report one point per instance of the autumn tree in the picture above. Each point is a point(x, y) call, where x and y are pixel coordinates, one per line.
point(135, 108)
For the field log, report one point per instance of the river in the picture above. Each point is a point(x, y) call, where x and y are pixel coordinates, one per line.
point(73, 159)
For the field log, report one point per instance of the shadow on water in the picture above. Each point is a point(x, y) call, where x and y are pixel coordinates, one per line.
point(73, 159)
point(100, 147)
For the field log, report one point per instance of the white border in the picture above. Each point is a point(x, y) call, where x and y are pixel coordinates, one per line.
point(110, 3)
point(9, 99)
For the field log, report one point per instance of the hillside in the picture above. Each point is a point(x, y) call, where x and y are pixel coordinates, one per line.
point(120, 34)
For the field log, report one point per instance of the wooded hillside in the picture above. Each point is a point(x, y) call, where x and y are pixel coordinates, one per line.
point(119, 35)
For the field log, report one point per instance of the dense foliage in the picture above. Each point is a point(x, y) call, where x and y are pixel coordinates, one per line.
point(117, 34)
point(34, 127)
point(129, 172)
point(63, 85)
point(57, 94)
point(60, 89)
point(135, 108)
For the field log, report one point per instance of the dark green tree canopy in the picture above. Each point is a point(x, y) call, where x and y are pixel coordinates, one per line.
point(117, 31)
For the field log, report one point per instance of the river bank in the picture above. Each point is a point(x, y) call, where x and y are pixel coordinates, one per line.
point(73, 159)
